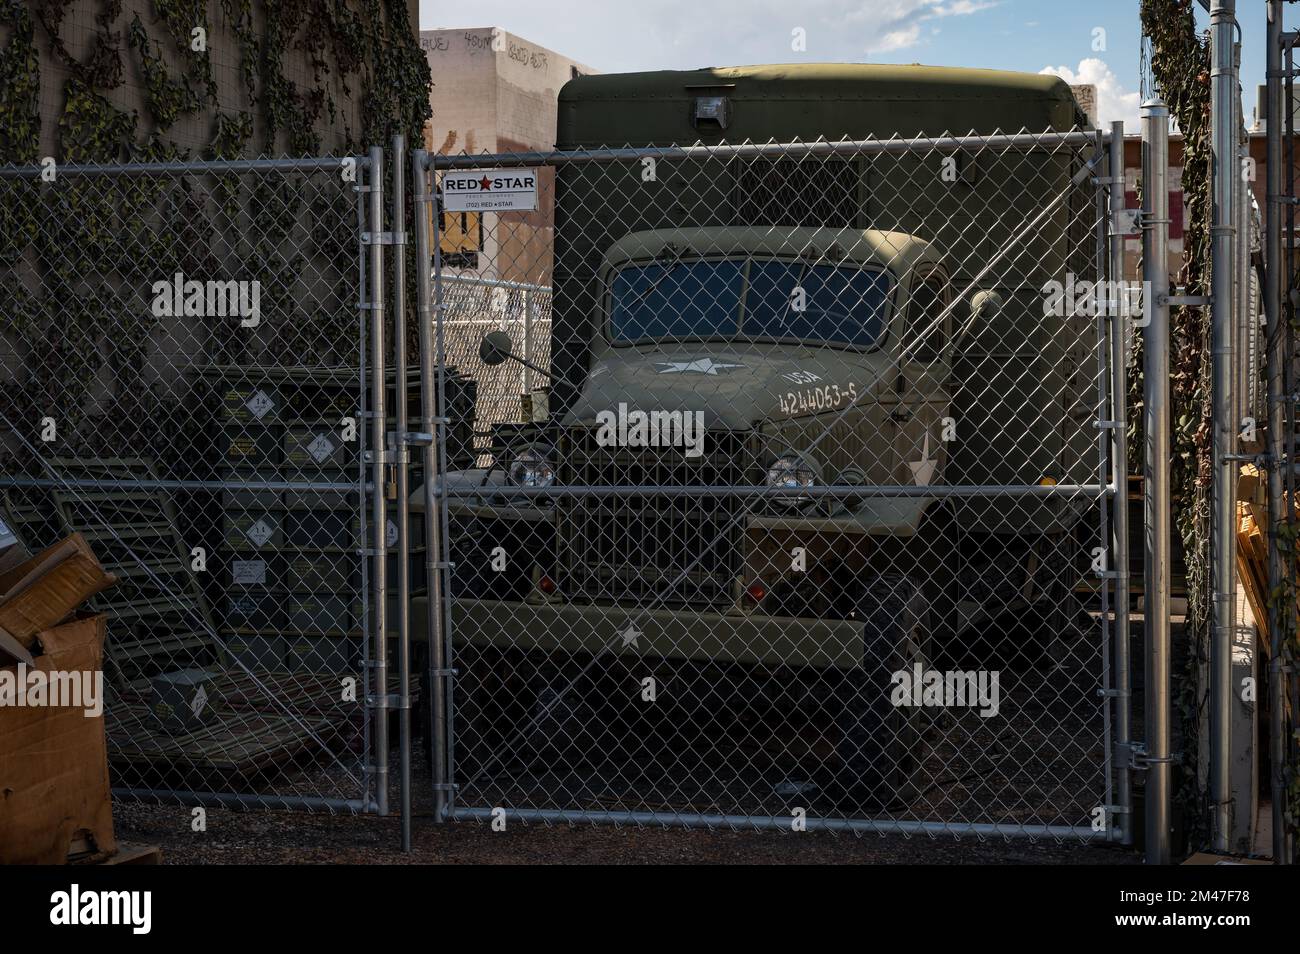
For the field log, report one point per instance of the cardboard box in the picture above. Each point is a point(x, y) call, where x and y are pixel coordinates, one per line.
point(44, 590)
point(54, 760)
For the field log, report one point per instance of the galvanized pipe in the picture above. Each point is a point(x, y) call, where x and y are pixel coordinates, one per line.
point(97, 483)
point(378, 385)
point(882, 826)
point(848, 492)
point(528, 342)
point(1155, 270)
point(507, 284)
point(1242, 364)
point(402, 428)
point(309, 803)
point(1225, 128)
point(192, 167)
point(1119, 478)
point(1275, 210)
point(436, 683)
point(864, 147)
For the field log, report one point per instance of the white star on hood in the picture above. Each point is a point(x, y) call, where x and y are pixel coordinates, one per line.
point(697, 366)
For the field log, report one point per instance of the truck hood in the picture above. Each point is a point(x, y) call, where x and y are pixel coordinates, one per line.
point(733, 385)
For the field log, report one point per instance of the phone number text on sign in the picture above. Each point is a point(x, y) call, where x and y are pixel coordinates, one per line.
point(490, 190)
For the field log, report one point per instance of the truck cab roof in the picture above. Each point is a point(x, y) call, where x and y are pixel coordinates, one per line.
point(898, 252)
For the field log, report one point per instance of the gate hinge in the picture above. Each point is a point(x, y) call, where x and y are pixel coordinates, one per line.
point(1115, 809)
point(389, 701)
point(1106, 425)
point(1113, 694)
point(445, 673)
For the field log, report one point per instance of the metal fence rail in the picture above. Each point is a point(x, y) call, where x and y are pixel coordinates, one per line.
point(812, 528)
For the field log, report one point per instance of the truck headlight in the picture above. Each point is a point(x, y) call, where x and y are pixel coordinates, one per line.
point(792, 472)
point(532, 468)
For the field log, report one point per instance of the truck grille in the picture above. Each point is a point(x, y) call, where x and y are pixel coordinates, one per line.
point(637, 548)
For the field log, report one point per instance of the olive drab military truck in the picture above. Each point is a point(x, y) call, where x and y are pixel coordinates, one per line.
point(744, 345)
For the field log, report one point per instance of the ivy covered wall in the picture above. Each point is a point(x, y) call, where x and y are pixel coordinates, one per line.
point(110, 80)
point(81, 341)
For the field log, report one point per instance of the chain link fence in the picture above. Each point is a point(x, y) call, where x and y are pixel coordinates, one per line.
point(186, 385)
point(472, 307)
point(811, 528)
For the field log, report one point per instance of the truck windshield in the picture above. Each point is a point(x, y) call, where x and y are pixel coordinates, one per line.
point(770, 299)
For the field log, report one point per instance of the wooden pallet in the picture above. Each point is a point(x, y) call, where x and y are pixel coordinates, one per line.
point(250, 730)
point(1252, 547)
point(132, 854)
point(236, 742)
point(127, 853)
point(158, 617)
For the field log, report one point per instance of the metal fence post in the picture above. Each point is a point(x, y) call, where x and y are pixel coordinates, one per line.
point(528, 339)
point(1224, 138)
point(1155, 268)
point(429, 422)
point(378, 384)
point(1274, 397)
point(401, 441)
point(1119, 474)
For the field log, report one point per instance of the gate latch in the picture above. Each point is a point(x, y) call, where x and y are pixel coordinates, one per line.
point(1134, 755)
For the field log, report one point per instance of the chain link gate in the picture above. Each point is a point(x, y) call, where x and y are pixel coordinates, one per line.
point(811, 527)
point(188, 384)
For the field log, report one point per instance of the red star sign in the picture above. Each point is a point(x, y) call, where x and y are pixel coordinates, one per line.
point(485, 184)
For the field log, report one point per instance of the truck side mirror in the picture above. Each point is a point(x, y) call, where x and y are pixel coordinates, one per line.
point(985, 305)
point(495, 347)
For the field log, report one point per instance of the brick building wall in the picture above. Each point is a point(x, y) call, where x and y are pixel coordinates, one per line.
point(496, 92)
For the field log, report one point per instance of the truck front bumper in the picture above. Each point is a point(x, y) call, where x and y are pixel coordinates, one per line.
point(666, 633)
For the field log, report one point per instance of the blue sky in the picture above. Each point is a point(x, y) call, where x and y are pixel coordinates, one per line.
point(1029, 35)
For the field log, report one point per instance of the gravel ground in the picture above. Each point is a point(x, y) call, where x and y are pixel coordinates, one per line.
point(284, 838)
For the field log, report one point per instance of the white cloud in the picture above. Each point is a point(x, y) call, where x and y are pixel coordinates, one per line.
point(898, 22)
point(896, 40)
point(964, 8)
point(688, 34)
point(1113, 101)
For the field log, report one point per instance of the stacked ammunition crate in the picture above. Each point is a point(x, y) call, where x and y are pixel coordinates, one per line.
point(292, 576)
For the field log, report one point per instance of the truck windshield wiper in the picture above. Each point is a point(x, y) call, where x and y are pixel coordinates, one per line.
point(789, 299)
point(668, 270)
